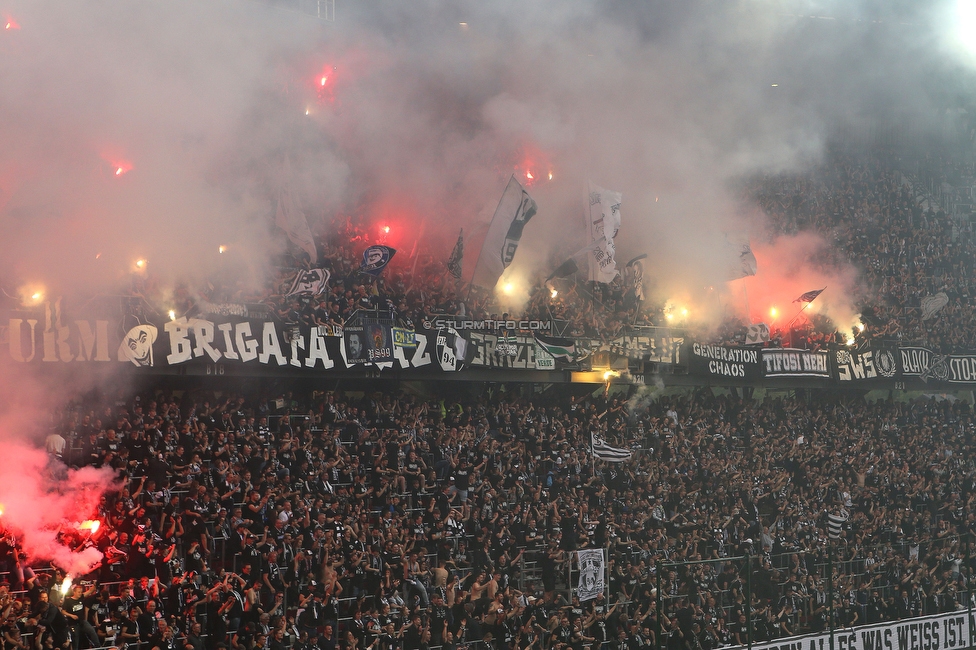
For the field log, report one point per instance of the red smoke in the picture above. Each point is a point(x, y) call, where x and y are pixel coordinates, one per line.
point(789, 267)
point(40, 497)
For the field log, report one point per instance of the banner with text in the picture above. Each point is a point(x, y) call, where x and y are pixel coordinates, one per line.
point(952, 631)
point(787, 362)
point(864, 366)
point(724, 361)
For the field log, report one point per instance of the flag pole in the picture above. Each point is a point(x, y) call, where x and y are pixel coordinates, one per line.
point(806, 305)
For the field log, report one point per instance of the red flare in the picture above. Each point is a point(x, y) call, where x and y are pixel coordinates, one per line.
point(11, 24)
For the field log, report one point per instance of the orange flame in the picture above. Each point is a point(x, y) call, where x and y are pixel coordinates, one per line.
point(90, 524)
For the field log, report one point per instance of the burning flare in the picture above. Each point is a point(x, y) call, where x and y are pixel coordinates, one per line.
point(90, 524)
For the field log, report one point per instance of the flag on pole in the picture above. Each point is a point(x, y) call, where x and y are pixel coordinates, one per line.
point(514, 210)
point(455, 261)
point(290, 218)
point(313, 281)
point(835, 523)
point(602, 223)
point(563, 349)
point(932, 305)
point(742, 261)
point(603, 451)
point(635, 270)
point(564, 270)
point(592, 577)
point(810, 296)
point(375, 259)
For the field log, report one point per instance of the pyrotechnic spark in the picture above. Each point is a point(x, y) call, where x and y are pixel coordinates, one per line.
point(775, 85)
point(553, 293)
point(37, 296)
point(529, 175)
point(684, 311)
point(860, 327)
point(1, 509)
point(386, 230)
point(550, 175)
point(140, 264)
point(307, 111)
point(97, 255)
point(773, 312)
point(508, 288)
point(850, 340)
point(221, 249)
point(119, 172)
point(11, 24)
point(609, 374)
point(172, 314)
point(66, 586)
point(324, 80)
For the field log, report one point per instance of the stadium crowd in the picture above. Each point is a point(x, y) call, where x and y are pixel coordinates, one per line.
point(389, 521)
point(872, 215)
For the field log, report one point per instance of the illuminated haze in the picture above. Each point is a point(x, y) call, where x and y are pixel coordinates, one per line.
point(160, 130)
point(203, 106)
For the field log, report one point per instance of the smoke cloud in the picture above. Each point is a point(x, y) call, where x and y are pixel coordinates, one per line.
point(42, 501)
point(162, 130)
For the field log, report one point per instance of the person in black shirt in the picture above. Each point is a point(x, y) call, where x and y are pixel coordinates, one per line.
point(75, 610)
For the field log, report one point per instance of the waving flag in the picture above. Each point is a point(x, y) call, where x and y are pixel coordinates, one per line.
point(810, 296)
point(563, 349)
point(603, 451)
point(313, 281)
point(375, 259)
point(514, 210)
point(602, 223)
point(455, 261)
point(290, 218)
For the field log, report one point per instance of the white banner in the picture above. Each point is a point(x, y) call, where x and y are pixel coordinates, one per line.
point(592, 574)
point(602, 223)
point(941, 632)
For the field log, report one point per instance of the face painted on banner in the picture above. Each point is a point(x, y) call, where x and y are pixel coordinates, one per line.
point(137, 345)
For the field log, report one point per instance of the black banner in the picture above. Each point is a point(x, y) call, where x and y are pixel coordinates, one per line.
point(724, 361)
point(931, 367)
point(788, 362)
point(872, 365)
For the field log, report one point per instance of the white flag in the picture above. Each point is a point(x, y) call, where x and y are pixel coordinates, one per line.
point(931, 305)
point(602, 223)
point(603, 451)
point(513, 212)
point(757, 333)
point(742, 261)
point(313, 281)
point(290, 218)
point(592, 577)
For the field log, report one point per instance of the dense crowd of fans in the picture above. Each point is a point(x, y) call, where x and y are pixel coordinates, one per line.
point(871, 214)
point(389, 521)
point(903, 245)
